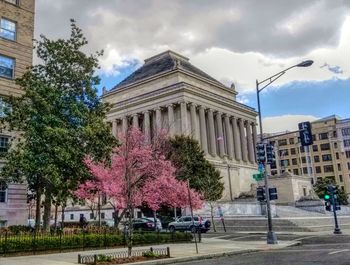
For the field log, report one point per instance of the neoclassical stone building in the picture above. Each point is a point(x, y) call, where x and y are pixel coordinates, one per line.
point(169, 92)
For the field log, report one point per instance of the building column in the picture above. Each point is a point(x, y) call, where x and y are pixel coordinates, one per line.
point(194, 130)
point(147, 125)
point(158, 119)
point(211, 132)
point(220, 137)
point(255, 137)
point(229, 137)
point(183, 110)
point(135, 121)
point(203, 129)
point(250, 142)
point(114, 128)
point(124, 124)
point(243, 140)
point(171, 121)
point(237, 140)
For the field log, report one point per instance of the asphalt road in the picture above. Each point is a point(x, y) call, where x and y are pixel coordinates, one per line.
point(330, 250)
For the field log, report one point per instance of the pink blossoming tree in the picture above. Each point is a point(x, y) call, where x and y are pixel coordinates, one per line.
point(138, 175)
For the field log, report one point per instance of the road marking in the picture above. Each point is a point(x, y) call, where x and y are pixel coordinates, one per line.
point(339, 251)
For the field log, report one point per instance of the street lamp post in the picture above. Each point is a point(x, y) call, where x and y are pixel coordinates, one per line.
point(271, 236)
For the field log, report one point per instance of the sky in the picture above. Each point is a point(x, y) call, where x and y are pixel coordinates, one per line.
point(234, 41)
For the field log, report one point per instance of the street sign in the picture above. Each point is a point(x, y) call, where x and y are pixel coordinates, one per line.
point(258, 176)
point(305, 133)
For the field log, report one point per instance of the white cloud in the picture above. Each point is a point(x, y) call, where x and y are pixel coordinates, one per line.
point(284, 123)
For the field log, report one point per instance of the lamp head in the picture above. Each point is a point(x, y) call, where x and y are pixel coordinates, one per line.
point(306, 63)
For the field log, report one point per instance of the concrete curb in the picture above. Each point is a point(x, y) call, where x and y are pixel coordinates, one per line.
point(207, 256)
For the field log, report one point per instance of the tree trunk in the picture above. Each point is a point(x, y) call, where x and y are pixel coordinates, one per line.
point(56, 210)
point(38, 210)
point(212, 215)
point(117, 217)
point(62, 216)
point(47, 211)
point(130, 232)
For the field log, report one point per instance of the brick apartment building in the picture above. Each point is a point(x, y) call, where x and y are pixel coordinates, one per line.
point(328, 157)
point(16, 53)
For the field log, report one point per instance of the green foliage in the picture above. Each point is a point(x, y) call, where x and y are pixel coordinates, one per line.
point(104, 258)
point(26, 243)
point(321, 186)
point(60, 117)
point(150, 254)
point(187, 156)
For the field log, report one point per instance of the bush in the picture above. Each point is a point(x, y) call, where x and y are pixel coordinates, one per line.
point(45, 242)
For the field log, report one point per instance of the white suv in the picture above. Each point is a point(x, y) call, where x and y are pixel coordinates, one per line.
point(185, 223)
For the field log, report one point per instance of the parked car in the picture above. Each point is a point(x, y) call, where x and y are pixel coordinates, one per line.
point(158, 224)
point(185, 223)
point(144, 224)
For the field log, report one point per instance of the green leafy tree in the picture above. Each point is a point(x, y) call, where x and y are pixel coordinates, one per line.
point(187, 156)
point(61, 120)
point(321, 186)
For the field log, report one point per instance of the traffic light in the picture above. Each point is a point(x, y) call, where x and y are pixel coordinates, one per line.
point(270, 154)
point(273, 194)
point(305, 133)
point(260, 154)
point(260, 193)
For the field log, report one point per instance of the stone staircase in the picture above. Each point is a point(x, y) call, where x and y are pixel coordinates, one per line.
point(290, 211)
point(257, 225)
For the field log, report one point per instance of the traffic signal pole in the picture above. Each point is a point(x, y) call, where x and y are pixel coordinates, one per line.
point(336, 228)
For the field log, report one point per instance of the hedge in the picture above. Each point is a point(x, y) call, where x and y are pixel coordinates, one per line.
point(32, 243)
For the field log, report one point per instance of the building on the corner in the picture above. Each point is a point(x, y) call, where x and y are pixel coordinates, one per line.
point(16, 53)
point(328, 157)
point(169, 92)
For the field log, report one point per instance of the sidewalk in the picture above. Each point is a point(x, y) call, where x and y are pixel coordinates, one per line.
point(210, 247)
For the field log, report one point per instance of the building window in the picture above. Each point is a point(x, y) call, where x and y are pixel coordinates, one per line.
point(72, 216)
point(7, 66)
point(91, 216)
point(3, 192)
point(304, 191)
point(291, 140)
point(302, 149)
point(283, 152)
point(325, 146)
point(102, 215)
point(340, 178)
point(323, 136)
point(348, 165)
point(337, 155)
point(335, 145)
point(4, 145)
point(295, 171)
point(345, 131)
point(292, 151)
point(327, 157)
point(313, 137)
point(4, 108)
point(339, 167)
point(342, 188)
point(305, 170)
point(347, 153)
point(285, 163)
point(294, 161)
point(347, 143)
point(328, 168)
point(315, 148)
point(316, 159)
point(318, 169)
point(14, 2)
point(7, 29)
point(303, 160)
point(282, 142)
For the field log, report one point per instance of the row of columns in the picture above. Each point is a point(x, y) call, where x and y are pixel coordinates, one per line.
point(239, 135)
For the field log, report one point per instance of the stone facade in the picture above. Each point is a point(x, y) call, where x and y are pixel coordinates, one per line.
point(170, 93)
point(16, 52)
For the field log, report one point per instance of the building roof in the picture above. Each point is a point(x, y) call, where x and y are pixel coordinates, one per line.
point(161, 63)
point(331, 117)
